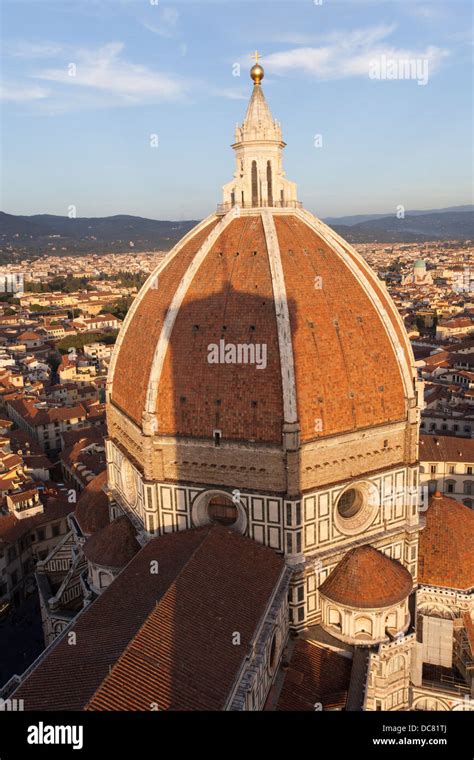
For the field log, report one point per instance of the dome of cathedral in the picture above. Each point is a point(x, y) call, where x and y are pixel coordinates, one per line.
point(366, 578)
point(261, 320)
point(271, 317)
point(446, 556)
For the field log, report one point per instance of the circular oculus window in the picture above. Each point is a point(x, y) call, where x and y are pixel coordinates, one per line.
point(215, 507)
point(222, 511)
point(356, 508)
point(350, 503)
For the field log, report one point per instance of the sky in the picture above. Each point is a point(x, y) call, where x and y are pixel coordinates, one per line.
point(129, 106)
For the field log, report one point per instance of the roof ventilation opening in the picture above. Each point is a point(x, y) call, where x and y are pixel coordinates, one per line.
point(252, 328)
point(217, 437)
point(195, 328)
point(254, 253)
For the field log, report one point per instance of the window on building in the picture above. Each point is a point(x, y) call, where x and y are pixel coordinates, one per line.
point(449, 486)
point(55, 530)
point(269, 183)
point(222, 510)
point(468, 470)
point(254, 184)
point(349, 503)
point(451, 469)
point(40, 534)
point(335, 619)
point(467, 486)
point(433, 468)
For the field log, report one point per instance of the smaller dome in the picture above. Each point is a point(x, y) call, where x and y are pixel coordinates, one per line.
point(92, 508)
point(366, 578)
point(420, 264)
point(113, 546)
point(446, 556)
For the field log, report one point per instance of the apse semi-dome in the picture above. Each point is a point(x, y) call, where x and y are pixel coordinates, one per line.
point(92, 508)
point(262, 320)
point(366, 578)
point(446, 550)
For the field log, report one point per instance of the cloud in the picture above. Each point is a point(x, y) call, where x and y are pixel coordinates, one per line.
point(21, 93)
point(167, 23)
point(348, 54)
point(428, 12)
point(230, 94)
point(105, 70)
point(25, 49)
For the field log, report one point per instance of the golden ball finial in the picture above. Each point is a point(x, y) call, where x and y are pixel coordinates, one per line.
point(256, 72)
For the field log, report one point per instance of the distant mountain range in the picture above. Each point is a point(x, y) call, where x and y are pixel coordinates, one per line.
point(58, 234)
point(456, 223)
point(43, 232)
point(359, 218)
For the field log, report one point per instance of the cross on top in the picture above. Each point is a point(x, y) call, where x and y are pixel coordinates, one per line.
point(256, 56)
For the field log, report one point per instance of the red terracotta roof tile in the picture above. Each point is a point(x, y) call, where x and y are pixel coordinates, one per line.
point(136, 354)
point(183, 658)
point(205, 590)
point(315, 675)
point(445, 448)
